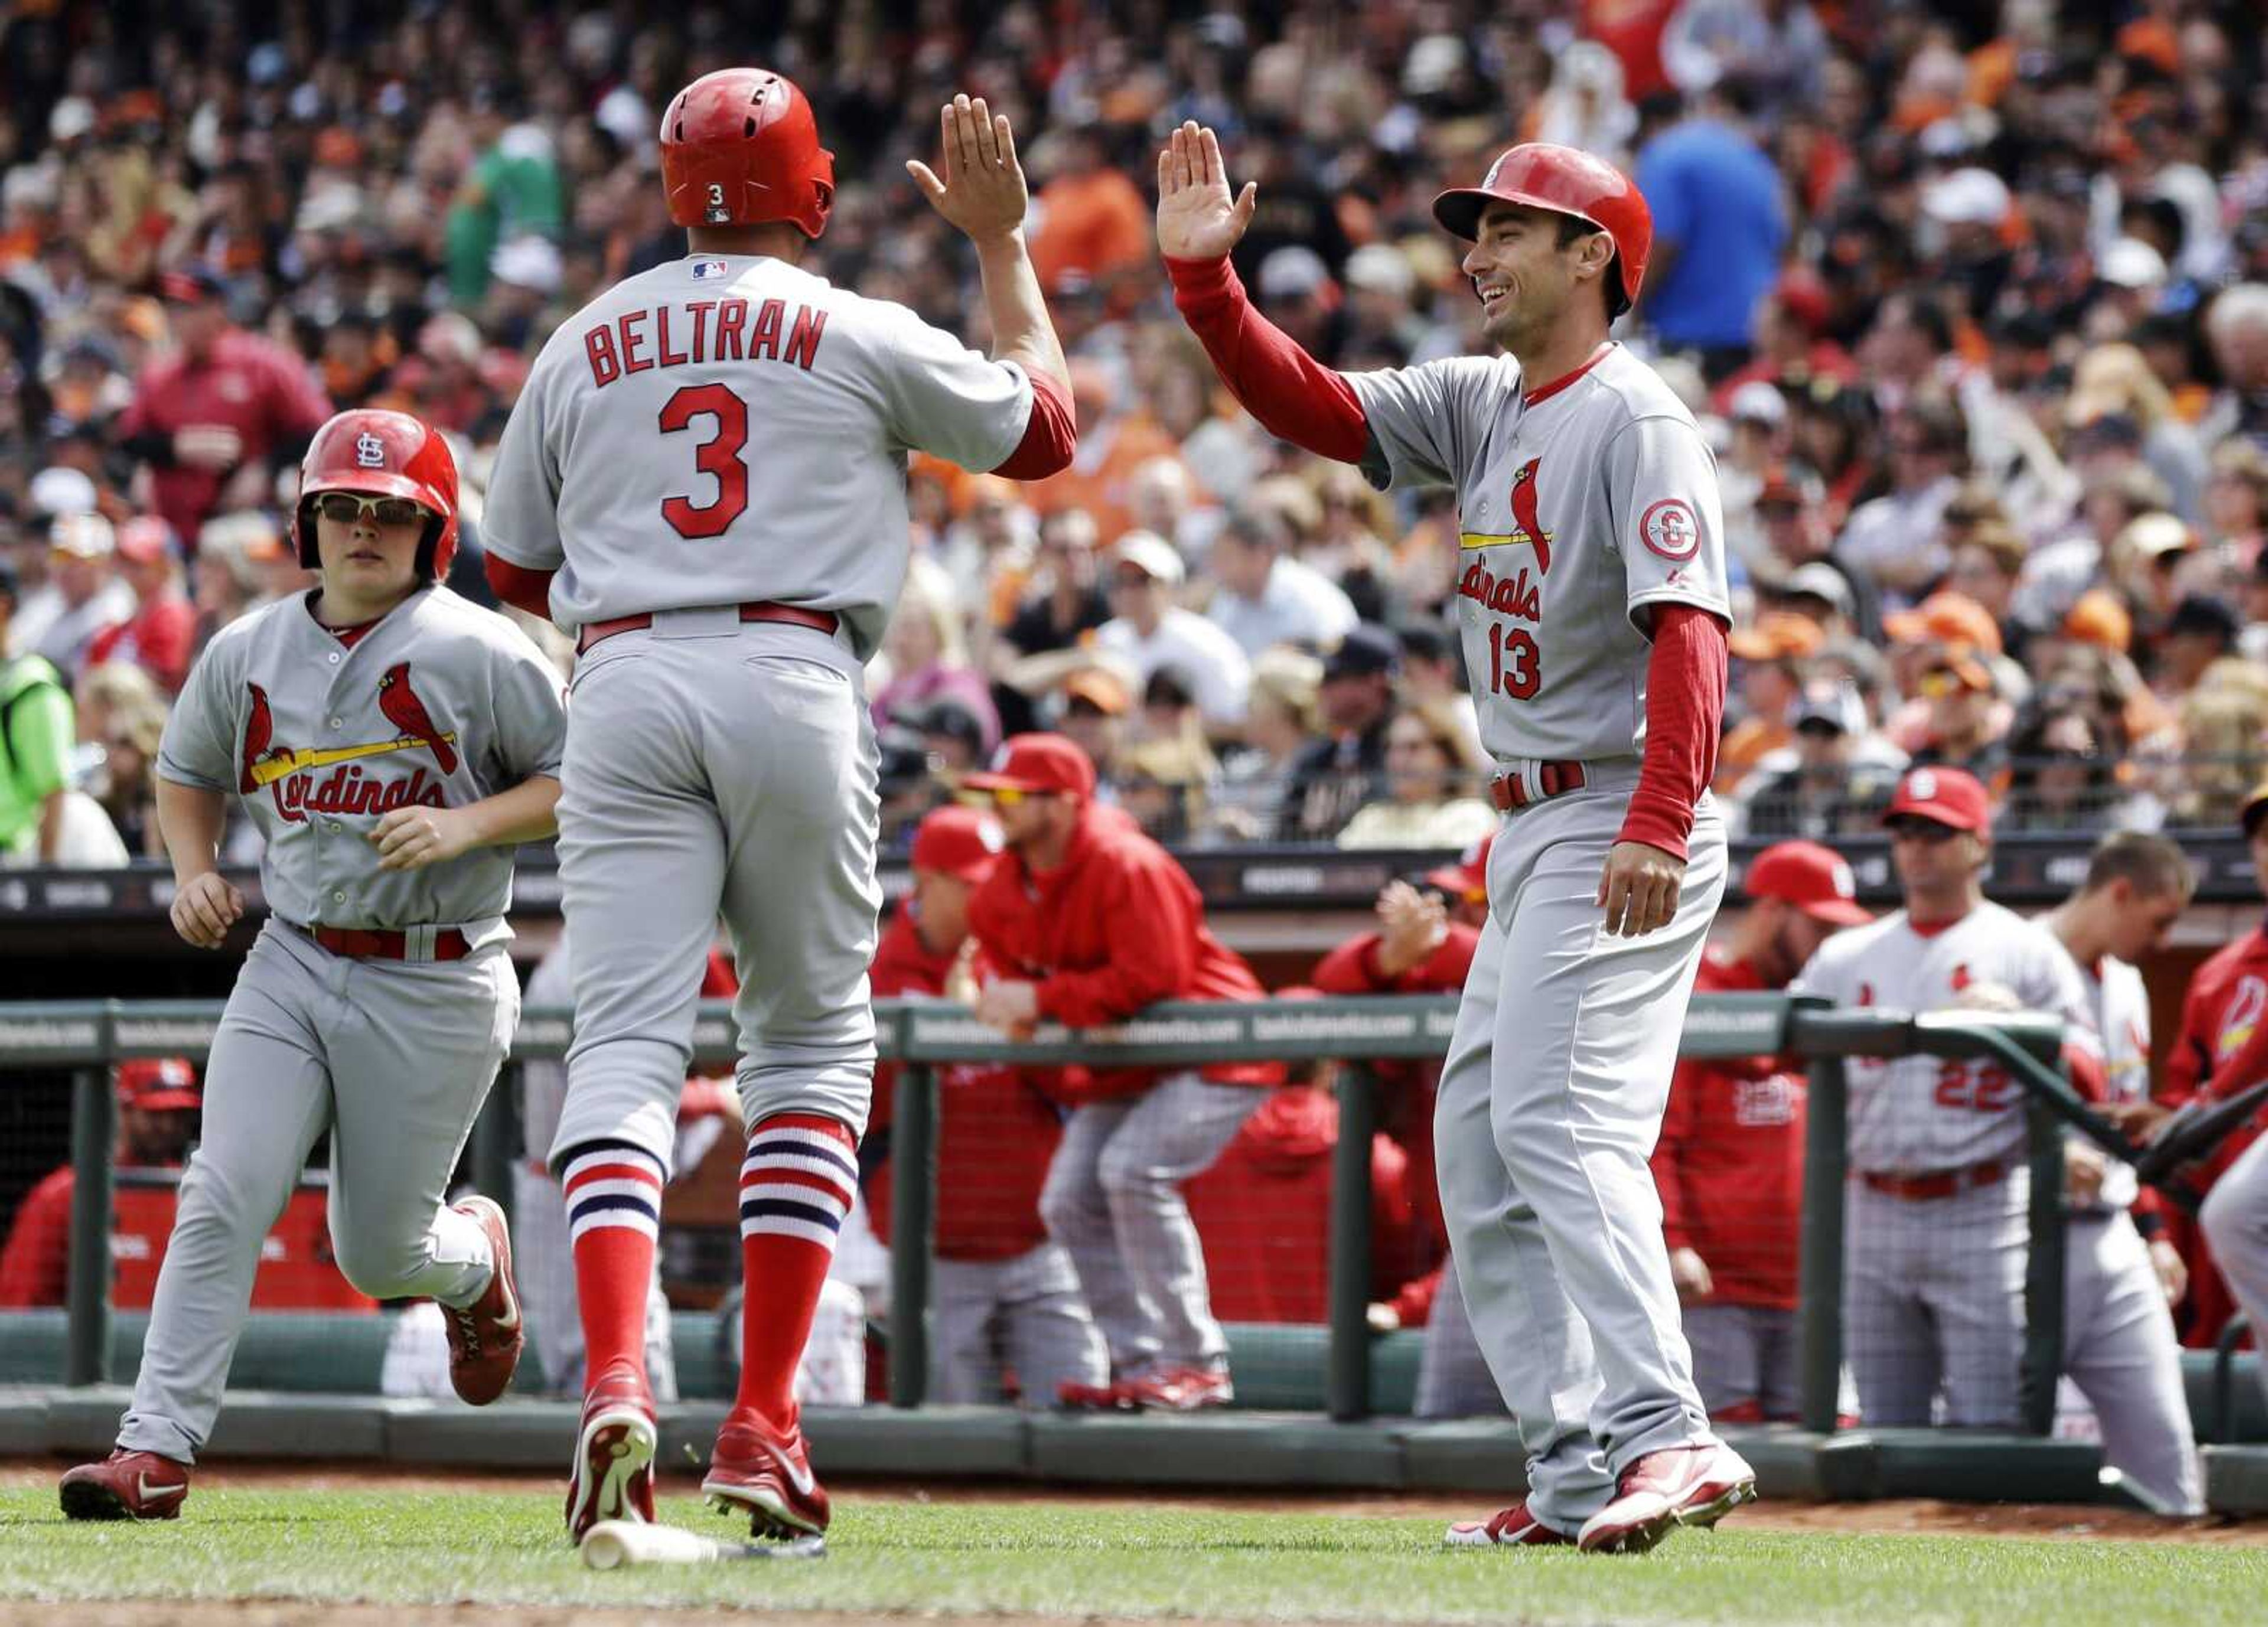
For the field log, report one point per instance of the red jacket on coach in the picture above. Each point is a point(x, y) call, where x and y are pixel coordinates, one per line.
point(1730, 1162)
point(2222, 1047)
point(1117, 927)
point(995, 1132)
point(1406, 1108)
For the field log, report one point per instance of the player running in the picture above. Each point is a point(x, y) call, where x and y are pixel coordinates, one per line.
point(394, 743)
point(1594, 605)
point(706, 475)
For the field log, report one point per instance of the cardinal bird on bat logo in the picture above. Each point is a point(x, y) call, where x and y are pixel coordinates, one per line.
point(1523, 514)
point(406, 712)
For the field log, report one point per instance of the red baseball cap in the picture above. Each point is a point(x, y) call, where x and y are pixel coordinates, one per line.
point(156, 1084)
point(1813, 878)
point(1037, 763)
point(146, 540)
point(1468, 878)
point(956, 842)
point(1951, 797)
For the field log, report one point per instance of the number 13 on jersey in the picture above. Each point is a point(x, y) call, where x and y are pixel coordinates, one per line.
point(1514, 664)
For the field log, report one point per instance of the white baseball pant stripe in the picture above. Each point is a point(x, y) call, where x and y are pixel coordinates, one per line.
point(711, 766)
point(1113, 1198)
point(393, 1058)
point(1549, 1105)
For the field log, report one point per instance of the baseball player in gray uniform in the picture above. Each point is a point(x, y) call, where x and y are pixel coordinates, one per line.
point(1592, 594)
point(393, 743)
point(2119, 1346)
point(1937, 1235)
point(706, 475)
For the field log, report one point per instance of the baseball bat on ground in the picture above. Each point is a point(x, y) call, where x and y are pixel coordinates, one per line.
point(613, 1543)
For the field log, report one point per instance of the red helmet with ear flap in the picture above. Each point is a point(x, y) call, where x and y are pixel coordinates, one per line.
point(739, 147)
point(1541, 174)
point(382, 454)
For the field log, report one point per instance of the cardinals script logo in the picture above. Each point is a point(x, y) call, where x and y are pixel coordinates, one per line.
point(293, 777)
point(1527, 528)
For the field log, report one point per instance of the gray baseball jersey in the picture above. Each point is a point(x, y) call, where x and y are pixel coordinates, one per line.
point(2121, 1004)
point(440, 704)
point(1914, 1114)
point(724, 429)
point(1579, 505)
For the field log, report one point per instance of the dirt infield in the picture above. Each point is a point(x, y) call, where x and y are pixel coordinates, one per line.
point(1913, 1517)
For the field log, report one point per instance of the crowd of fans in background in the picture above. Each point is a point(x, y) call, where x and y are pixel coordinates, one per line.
point(1971, 299)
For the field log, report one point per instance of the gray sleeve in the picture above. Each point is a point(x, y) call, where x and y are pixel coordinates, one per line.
point(199, 745)
point(2055, 984)
point(1664, 516)
point(531, 709)
point(520, 522)
point(1423, 420)
point(941, 397)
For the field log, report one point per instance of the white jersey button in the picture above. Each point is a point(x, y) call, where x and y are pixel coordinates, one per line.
point(337, 724)
point(335, 657)
point(338, 898)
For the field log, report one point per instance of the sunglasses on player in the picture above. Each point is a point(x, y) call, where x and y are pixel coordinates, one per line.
point(346, 508)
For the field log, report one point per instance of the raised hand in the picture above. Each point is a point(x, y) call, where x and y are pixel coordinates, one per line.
point(1197, 219)
point(982, 191)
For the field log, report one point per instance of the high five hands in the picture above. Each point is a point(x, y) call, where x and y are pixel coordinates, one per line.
point(982, 190)
point(1198, 219)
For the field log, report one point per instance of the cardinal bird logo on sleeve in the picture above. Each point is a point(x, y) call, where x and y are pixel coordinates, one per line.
point(406, 712)
point(259, 736)
point(1523, 514)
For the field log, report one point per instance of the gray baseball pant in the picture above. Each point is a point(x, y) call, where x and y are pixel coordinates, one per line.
point(393, 1058)
point(1933, 1293)
point(2119, 1348)
point(1454, 1380)
point(1025, 1313)
point(1113, 1198)
point(1745, 1354)
point(2235, 1222)
point(1549, 1105)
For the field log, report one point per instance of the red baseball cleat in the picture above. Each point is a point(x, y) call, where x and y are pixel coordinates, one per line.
point(1682, 1485)
point(1091, 1398)
point(769, 1475)
point(613, 1474)
point(1512, 1527)
point(125, 1486)
point(484, 1337)
point(1179, 1389)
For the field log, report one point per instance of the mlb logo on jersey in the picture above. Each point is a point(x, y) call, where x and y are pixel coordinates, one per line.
point(370, 452)
point(709, 270)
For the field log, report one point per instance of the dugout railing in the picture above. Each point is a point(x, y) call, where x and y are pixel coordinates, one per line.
point(87, 1037)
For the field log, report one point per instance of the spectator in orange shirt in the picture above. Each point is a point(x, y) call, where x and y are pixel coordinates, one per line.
point(1112, 443)
point(1771, 654)
point(1730, 1161)
point(1092, 218)
point(157, 1103)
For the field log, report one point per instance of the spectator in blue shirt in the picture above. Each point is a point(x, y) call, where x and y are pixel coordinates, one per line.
point(1719, 227)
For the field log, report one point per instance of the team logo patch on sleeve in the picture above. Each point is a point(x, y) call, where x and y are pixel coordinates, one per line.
point(1670, 528)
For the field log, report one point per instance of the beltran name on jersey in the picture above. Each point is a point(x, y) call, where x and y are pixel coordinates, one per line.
point(723, 330)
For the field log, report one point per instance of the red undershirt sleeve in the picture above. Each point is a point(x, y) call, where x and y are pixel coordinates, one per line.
point(1050, 435)
point(519, 587)
point(1294, 396)
point(1684, 710)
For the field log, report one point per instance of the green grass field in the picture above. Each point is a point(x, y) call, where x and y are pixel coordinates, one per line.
point(1081, 1561)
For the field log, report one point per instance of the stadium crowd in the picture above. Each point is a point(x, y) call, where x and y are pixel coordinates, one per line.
point(1973, 299)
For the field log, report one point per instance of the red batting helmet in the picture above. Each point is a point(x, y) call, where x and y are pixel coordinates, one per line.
point(739, 146)
point(1543, 175)
point(382, 454)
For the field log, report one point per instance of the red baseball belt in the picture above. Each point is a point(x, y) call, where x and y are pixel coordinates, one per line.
point(1551, 779)
point(385, 943)
point(761, 610)
point(1938, 1184)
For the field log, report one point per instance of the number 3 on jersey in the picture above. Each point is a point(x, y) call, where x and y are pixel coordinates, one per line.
point(1515, 668)
point(719, 457)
